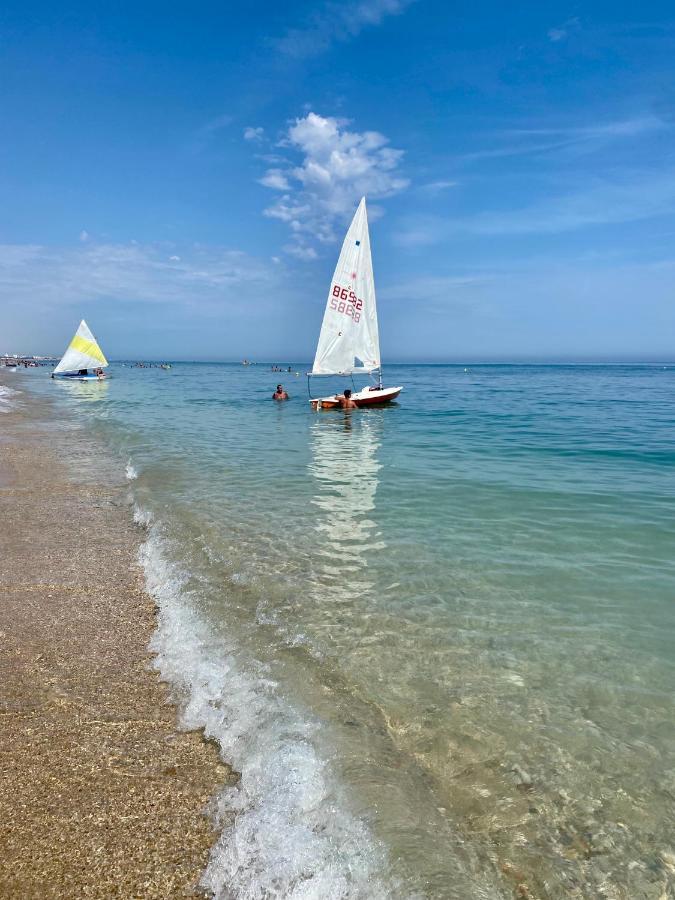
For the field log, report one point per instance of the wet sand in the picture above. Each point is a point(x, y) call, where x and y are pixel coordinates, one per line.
point(101, 795)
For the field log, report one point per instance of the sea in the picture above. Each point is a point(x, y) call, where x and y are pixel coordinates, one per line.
point(436, 639)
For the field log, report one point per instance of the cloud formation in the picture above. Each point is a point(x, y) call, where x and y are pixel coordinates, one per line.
point(560, 32)
point(556, 34)
point(334, 22)
point(253, 134)
point(620, 197)
point(43, 276)
point(333, 169)
point(580, 139)
point(435, 187)
point(484, 315)
point(275, 178)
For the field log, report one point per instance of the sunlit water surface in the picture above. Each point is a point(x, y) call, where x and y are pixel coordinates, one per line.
point(437, 639)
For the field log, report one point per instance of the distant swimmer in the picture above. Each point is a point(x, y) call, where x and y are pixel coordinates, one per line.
point(280, 393)
point(346, 401)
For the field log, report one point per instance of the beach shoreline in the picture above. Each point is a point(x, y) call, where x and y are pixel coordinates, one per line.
point(102, 794)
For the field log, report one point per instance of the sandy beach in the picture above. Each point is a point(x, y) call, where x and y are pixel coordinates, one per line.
point(101, 794)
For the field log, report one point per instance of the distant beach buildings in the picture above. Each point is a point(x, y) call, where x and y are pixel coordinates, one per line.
point(13, 360)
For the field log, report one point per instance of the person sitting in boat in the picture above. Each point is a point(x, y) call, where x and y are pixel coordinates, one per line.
point(280, 393)
point(346, 401)
point(99, 373)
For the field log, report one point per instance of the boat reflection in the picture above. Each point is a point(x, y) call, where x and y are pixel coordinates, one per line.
point(345, 467)
point(84, 391)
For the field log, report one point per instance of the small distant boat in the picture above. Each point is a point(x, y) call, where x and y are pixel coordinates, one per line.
point(349, 342)
point(84, 359)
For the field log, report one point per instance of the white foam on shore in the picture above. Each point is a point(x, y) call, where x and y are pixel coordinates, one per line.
point(285, 832)
point(7, 398)
point(130, 471)
point(143, 517)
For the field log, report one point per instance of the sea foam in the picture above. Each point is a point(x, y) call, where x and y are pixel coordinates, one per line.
point(285, 830)
point(7, 398)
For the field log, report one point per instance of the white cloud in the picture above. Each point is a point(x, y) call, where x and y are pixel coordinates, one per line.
point(632, 127)
point(84, 236)
point(435, 187)
point(538, 307)
point(216, 124)
point(335, 22)
point(437, 289)
point(333, 169)
point(301, 250)
point(562, 31)
point(566, 139)
point(275, 178)
point(621, 196)
point(209, 276)
point(253, 134)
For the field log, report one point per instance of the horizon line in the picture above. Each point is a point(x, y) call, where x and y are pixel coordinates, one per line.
point(457, 361)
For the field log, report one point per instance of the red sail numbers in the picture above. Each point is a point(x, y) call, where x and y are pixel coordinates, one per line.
point(345, 301)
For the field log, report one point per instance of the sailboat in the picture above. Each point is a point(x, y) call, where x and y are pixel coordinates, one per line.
point(349, 342)
point(83, 353)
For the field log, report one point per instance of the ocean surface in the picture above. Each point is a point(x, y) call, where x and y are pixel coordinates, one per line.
point(437, 639)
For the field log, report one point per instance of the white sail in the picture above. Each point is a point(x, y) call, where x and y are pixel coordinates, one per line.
point(83, 352)
point(349, 340)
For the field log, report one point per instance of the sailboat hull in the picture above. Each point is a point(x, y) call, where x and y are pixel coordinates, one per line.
point(68, 377)
point(366, 397)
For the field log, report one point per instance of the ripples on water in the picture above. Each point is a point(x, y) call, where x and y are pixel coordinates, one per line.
point(435, 638)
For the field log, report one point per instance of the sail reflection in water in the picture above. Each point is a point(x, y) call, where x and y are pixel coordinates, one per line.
point(345, 468)
point(92, 391)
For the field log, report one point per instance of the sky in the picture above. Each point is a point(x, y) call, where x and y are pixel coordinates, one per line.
point(182, 175)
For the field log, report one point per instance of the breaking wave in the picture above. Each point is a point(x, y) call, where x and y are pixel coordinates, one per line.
point(285, 830)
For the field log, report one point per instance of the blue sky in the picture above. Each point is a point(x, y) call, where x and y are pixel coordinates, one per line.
point(181, 177)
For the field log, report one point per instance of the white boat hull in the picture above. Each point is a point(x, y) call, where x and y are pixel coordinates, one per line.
point(366, 397)
point(81, 377)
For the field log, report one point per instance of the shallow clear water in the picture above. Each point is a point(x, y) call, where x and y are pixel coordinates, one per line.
point(436, 638)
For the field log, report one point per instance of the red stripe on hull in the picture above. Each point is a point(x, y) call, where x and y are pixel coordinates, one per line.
point(374, 398)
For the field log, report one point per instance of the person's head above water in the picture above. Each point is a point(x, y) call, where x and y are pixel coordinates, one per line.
point(280, 388)
point(348, 393)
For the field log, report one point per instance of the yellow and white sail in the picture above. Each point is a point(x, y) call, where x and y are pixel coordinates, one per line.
point(83, 352)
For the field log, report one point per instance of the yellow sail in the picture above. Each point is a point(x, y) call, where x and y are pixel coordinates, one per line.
point(83, 352)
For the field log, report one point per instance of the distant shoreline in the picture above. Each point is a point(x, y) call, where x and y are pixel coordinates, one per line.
point(265, 364)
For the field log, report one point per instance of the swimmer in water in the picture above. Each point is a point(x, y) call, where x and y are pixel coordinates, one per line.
point(346, 401)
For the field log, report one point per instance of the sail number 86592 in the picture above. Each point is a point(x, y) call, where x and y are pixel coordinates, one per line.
point(345, 301)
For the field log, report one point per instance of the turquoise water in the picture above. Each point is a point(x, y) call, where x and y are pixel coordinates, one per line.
point(436, 639)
